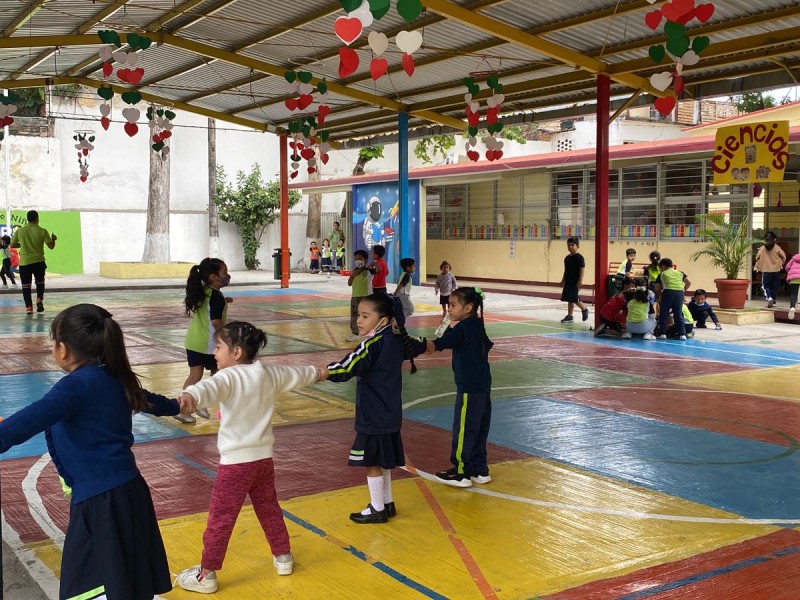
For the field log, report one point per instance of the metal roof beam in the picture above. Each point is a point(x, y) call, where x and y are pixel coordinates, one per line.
point(23, 17)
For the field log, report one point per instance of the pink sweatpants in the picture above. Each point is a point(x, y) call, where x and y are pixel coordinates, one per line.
point(232, 486)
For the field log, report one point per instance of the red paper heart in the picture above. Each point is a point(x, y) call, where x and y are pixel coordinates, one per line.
point(131, 129)
point(676, 10)
point(304, 101)
point(378, 68)
point(156, 138)
point(408, 64)
point(473, 119)
point(307, 153)
point(83, 178)
point(490, 155)
point(498, 154)
point(291, 103)
point(704, 12)
point(165, 135)
point(293, 145)
point(293, 174)
point(312, 170)
point(108, 68)
point(86, 152)
point(473, 155)
point(132, 76)
point(348, 62)
point(653, 19)
point(105, 122)
point(348, 29)
point(324, 158)
point(665, 105)
point(491, 117)
point(324, 111)
point(680, 85)
point(7, 121)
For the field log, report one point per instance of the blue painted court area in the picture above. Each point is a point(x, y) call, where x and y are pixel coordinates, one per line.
point(717, 351)
point(276, 292)
point(18, 391)
point(750, 478)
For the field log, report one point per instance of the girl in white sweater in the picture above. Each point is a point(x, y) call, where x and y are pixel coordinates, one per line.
point(246, 390)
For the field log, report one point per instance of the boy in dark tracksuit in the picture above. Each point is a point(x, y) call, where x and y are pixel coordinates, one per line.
point(702, 311)
point(473, 408)
point(672, 284)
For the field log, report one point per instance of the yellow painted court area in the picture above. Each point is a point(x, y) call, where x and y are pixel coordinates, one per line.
point(779, 382)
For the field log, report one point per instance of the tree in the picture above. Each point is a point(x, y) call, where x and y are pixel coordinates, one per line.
point(252, 205)
point(427, 148)
point(753, 101)
point(364, 156)
point(156, 242)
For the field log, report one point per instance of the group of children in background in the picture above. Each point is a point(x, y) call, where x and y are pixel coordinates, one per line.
point(331, 257)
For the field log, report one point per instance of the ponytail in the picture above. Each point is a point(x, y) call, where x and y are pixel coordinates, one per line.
point(475, 296)
point(195, 284)
point(115, 359)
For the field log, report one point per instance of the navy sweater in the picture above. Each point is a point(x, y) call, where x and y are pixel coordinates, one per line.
point(88, 428)
point(470, 355)
point(378, 365)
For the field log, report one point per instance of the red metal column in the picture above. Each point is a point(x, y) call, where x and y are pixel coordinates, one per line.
point(284, 155)
point(601, 195)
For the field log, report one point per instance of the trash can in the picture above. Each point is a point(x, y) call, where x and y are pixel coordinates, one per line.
point(276, 263)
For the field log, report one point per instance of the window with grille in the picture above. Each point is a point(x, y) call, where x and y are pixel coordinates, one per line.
point(684, 199)
point(638, 203)
point(567, 202)
point(535, 206)
point(613, 203)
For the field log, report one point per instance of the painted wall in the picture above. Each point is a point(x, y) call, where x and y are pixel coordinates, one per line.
point(67, 257)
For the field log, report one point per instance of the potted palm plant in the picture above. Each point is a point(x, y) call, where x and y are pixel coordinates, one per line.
point(728, 247)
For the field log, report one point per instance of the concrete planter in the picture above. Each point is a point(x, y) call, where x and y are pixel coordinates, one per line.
point(732, 293)
point(138, 270)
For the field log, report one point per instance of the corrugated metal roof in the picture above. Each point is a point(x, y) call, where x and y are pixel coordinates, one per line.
point(286, 36)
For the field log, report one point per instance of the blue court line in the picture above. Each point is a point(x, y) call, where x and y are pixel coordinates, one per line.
point(694, 348)
point(747, 477)
point(674, 585)
point(381, 566)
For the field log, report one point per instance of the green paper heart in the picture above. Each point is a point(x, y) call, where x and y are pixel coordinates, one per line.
point(294, 126)
point(169, 114)
point(700, 43)
point(409, 9)
point(672, 29)
point(322, 86)
point(138, 42)
point(108, 36)
point(91, 139)
point(160, 112)
point(657, 53)
point(473, 131)
point(474, 89)
point(378, 8)
point(493, 81)
point(75, 137)
point(350, 5)
point(323, 135)
point(306, 130)
point(499, 127)
point(131, 97)
point(498, 88)
point(158, 146)
point(305, 76)
point(145, 42)
point(105, 92)
point(678, 45)
point(133, 40)
point(469, 81)
point(290, 76)
point(312, 122)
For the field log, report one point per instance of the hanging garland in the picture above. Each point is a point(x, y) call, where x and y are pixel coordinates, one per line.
point(159, 121)
point(494, 105)
point(681, 49)
point(7, 108)
point(84, 145)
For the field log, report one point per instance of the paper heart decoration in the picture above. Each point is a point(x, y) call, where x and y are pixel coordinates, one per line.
point(307, 153)
point(84, 178)
point(293, 174)
point(467, 98)
point(105, 92)
point(295, 165)
point(652, 1)
point(290, 88)
point(704, 12)
point(304, 101)
point(131, 97)
point(105, 53)
point(324, 111)
point(348, 62)
point(678, 11)
point(700, 43)
point(348, 29)
point(324, 148)
point(120, 56)
point(305, 88)
point(408, 41)
point(131, 114)
point(132, 76)
point(473, 155)
point(473, 141)
point(680, 85)
point(363, 14)
point(689, 58)
point(409, 9)
point(378, 42)
point(108, 68)
point(165, 152)
point(166, 134)
point(491, 118)
point(408, 64)
point(108, 36)
point(105, 122)
point(311, 170)
point(131, 129)
point(653, 19)
point(350, 5)
point(665, 105)
point(677, 45)
point(379, 8)
point(132, 59)
point(474, 106)
point(657, 53)
point(661, 81)
point(291, 103)
point(312, 162)
point(324, 158)
point(473, 119)
point(378, 68)
point(105, 109)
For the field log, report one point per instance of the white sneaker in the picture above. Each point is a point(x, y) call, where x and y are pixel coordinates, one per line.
point(284, 563)
point(791, 313)
point(192, 579)
point(185, 418)
point(626, 336)
point(203, 412)
point(662, 337)
point(682, 338)
point(649, 336)
point(482, 479)
point(353, 337)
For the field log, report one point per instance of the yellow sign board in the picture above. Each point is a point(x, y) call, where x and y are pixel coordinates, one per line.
point(751, 152)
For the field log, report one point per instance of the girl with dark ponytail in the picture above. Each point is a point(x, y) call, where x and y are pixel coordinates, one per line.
point(473, 409)
point(208, 308)
point(377, 363)
point(113, 546)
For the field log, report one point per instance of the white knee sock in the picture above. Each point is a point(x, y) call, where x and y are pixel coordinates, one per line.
point(375, 494)
point(387, 486)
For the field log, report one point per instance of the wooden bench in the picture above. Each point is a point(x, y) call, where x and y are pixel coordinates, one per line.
point(637, 269)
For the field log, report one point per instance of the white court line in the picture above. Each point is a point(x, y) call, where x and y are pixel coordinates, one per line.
point(39, 572)
point(631, 514)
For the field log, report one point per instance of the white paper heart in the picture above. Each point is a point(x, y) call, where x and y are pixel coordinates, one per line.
point(408, 41)
point(291, 88)
point(467, 147)
point(89, 146)
point(11, 109)
point(363, 14)
point(467, 98)
point(689, 58)
point(164, 152)
point(312, 162)
point(168, 125)
point(305, 88)
point(307, 142)
point(131, 114)
point(661, 81)
point(120, 56)
point(491, 101)
point(105, 53)
point(322, 99)
point(152, 125)
point(491, 143)
point(78, 146)
point(324, 148)
point(378, 42)
point(3, 110)
point(295, 166)
point(133, 59)
point(474, 106)
point(473, 141)
point(105, 109)
point(499, 98)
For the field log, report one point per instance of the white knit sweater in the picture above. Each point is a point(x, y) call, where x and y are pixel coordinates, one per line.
point(246, 395)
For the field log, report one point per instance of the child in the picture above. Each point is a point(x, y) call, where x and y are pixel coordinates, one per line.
point(327, 263)
point(769, 261)
point(359, 282)
point(640, 321)
point(671, 283)
point(445, 284)
point(613, 313)
point(701, 310)
point(674, 331)
point(572, 280)
point(246, 390)
point(113, 547)
point(379, 269)
point(377, 364)
point(403, 289)
point(652, 271)
point(313, 258)
point(208, 308)
point(339, 256)
point(793, 278)
point(625, 268)
point(473, 407)
point(5, 246)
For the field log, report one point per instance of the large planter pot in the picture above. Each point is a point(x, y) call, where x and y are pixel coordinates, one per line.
point(732, 293)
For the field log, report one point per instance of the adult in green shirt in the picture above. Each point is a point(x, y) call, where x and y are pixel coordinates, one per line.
point(334, 237)
point(31, 239)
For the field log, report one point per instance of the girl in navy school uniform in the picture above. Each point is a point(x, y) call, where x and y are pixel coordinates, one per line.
point(473, 409)
point(377, 362)
point(113, 546)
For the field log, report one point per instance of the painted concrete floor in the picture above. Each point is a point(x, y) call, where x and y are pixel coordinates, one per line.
point(621, 468)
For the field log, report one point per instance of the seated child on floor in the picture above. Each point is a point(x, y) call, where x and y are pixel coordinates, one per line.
point(641, 316)
point(612, 314)
point(701, 310)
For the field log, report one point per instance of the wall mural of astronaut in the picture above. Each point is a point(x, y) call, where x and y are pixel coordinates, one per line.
point(376, 220)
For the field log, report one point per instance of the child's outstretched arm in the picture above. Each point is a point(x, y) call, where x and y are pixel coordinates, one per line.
point(287, 378)
point(161, 406)
point(356, 364)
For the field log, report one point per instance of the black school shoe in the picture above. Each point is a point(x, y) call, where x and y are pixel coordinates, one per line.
point(374, 516)
point(454, 478)
point(585, 314)
point(391, 509)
